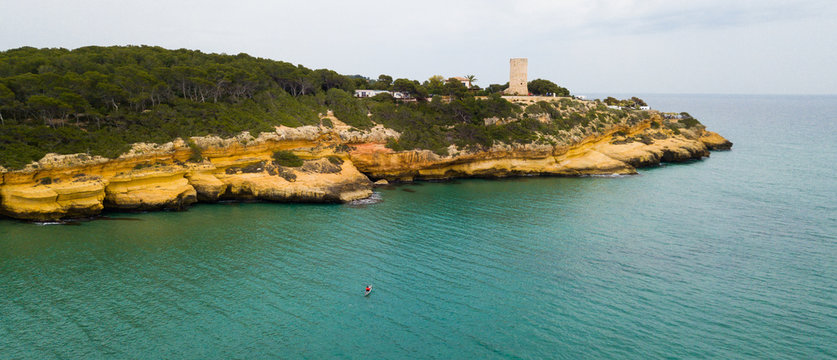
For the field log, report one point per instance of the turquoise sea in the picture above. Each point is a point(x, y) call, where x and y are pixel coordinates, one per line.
point(732, 257)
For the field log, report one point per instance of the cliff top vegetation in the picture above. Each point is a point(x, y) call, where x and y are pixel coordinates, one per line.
point(99, 100)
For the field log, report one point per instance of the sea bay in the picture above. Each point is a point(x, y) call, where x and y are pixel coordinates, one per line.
point(728, 257)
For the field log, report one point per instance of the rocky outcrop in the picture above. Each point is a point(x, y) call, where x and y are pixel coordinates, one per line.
point(161, 177)
point(713, 141)
point(639, 154)
point(336, 168)
point(208, 188)
point(52, 200)
point(599, 154)
point(315, 181)
point(162, 188)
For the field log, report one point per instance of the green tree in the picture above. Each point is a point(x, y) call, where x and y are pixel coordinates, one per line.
point(471, 79)
point(331, 79)
point(638, 102)
point(435, 85)
point(404, 85)
point(360, 82)
point(48, 108)
point(412, 87)
point(75, 102)
point(496, 88)
point(7, 98)
point(384, 82)
point(455, 88)
point(544, 87)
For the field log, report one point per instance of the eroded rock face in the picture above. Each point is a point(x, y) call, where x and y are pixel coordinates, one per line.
point(713, 141)
point(165, 188)
point(156, 177)
point(601, 154)
point(207, 187)
point(337, 163)
point(316, 181)
point(381, 163)
point(638, 154)
point(56, 200)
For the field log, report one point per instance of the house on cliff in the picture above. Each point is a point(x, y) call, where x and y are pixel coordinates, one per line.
point(463, 80)
point(371, 93)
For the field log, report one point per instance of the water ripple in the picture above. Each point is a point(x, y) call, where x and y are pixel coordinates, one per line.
point(726, 258)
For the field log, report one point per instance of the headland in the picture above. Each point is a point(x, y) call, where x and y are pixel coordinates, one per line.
point(85, 134)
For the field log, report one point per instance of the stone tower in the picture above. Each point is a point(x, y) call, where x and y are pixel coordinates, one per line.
point(517, 77)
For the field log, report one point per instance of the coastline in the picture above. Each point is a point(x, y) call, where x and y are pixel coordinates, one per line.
point(340, 165)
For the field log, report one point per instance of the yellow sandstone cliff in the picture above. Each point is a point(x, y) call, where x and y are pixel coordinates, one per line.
point(599, 154)
point(157, 177)
point(338, 166)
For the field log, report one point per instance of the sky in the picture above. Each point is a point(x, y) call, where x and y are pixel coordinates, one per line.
point(590, 46)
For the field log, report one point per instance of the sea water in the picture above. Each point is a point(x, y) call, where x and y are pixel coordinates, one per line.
point(731, 257)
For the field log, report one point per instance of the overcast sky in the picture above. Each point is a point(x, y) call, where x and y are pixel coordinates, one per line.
point(595, 46)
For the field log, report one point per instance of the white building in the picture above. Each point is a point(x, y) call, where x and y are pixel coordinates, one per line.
point(645, 107)
point(371, 93)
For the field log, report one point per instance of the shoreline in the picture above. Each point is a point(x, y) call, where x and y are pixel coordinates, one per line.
point(106, 213)
point(337, 166)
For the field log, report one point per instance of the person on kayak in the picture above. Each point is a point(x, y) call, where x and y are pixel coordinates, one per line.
point(368, 288)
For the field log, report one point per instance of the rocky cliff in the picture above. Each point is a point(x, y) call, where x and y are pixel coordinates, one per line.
point(618, 151)
point(337, 166)
point(159, 177)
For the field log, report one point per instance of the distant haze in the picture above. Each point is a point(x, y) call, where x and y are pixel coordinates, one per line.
point(618, 46)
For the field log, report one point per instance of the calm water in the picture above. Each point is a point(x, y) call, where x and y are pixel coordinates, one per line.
point(731, 257)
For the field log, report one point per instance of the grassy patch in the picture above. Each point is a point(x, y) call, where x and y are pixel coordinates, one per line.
point(287, 158)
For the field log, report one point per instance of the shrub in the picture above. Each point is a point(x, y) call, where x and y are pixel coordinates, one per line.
point(645, 139)
point(286, 158)
point(286, 174)
point(336, 160)
point(689, 122)
point(383, 97)
point(196, 152)
point(342, 148)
